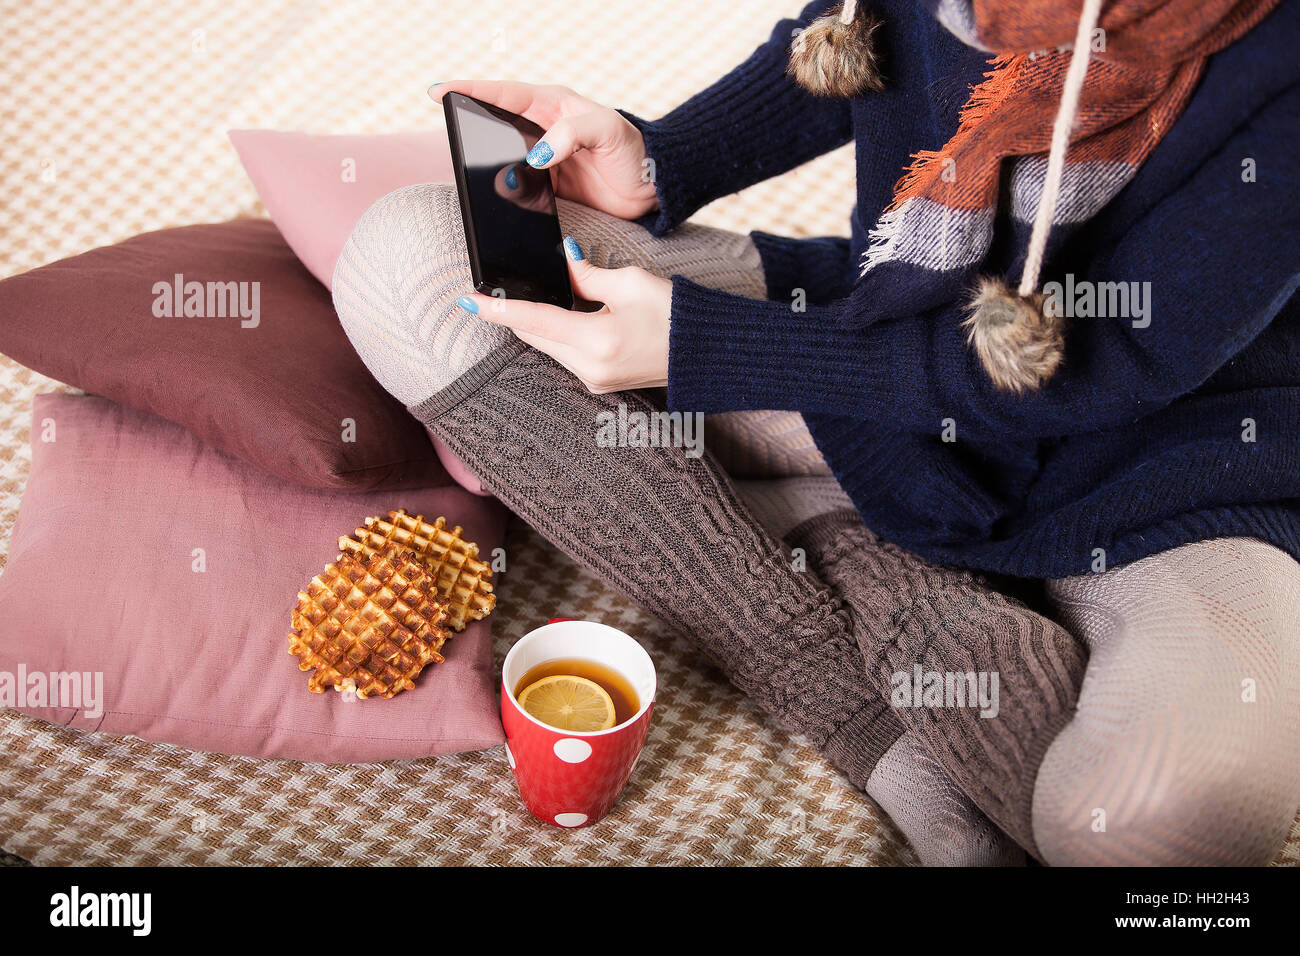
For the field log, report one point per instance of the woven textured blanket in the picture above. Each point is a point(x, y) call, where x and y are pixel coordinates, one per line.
point(114, 122)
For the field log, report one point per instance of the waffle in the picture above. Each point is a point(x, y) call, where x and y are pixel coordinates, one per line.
point(463, 581)
point(369, 623)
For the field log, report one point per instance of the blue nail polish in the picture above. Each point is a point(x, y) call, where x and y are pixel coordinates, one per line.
point(573, 249)
point(540, 155)
point(468, 304)
point(512, 181)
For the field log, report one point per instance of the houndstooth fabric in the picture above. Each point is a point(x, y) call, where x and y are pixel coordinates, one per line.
point(715, 784)
point(114, 123)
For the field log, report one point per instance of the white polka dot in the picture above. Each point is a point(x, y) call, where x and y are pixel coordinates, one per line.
point(510, 758)
point(570, 819)
point(572, 750)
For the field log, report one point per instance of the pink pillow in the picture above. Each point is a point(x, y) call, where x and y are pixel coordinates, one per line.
point(316, 188)
point(170, 568)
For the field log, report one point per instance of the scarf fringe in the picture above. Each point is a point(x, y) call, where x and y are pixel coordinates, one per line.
point(883, 240)
point(985, 98)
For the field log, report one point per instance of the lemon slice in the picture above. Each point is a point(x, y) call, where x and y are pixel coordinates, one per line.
point(569, 703)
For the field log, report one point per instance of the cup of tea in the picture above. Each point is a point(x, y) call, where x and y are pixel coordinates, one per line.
point(575, 674)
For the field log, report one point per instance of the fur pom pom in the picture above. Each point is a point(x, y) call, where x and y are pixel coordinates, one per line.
point(1018, 344)
point(835, 58)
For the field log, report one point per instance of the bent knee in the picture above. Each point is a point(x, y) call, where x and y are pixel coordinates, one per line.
point(1158, 805)
point(396, 284)
point(408, 225)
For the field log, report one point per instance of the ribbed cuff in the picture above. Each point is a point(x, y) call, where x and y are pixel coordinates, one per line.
point(473, 379)
point(676, 199)
point(730, 353)
point(817, 267)
point(857, 745)
point(816, 534)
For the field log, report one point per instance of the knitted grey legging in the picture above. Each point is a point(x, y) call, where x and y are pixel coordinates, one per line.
point(1186, 746)
point(669, 530)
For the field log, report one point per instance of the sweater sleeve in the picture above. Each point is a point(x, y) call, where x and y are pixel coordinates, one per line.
point(751, 125)
point(818, 268)
point(1221, 256)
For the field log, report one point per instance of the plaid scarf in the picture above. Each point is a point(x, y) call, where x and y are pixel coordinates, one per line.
point(1145, 59)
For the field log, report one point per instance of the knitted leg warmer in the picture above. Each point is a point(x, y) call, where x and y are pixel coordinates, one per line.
point(938, 819)
point(920, 626)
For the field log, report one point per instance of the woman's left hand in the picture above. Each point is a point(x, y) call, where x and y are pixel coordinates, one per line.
point(623, 346)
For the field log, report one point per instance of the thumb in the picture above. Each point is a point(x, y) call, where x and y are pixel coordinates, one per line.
point(567, 136)
point(589, 282)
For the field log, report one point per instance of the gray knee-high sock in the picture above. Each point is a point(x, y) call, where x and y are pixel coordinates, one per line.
point(910, 615)
point(940, 821)
point(662, 526)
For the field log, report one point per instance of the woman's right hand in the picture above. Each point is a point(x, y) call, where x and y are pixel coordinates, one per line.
point(599, 157)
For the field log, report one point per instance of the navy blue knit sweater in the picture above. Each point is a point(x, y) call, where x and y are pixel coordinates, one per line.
point(1146, 439)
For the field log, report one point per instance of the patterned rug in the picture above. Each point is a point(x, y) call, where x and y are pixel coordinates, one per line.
point(716, 783)
point(113, 117)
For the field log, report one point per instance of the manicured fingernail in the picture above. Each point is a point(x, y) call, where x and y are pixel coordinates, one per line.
point(468, 304)
point(432, 88)
point(540, 155)
point(573, 249)
point(512, 181)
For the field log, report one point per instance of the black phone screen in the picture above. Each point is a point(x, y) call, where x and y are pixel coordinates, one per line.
point(515, 245)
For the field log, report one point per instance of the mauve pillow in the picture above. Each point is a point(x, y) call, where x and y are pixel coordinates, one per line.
point(104, 576)
point(273, 381)
point(316, 188)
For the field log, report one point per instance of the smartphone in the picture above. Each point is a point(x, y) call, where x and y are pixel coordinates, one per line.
point(515, 245)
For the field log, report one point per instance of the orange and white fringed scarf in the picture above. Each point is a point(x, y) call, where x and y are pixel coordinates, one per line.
point(1079, 94)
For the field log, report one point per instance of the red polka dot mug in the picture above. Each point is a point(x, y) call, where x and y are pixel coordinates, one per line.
point(570, 778)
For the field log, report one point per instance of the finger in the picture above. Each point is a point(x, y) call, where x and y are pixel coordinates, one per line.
point(590, 282)
point(562, 352)
point(536, 318)
point(595, 129)
point(541, 104)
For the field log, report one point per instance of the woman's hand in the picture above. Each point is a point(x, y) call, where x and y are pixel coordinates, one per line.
point(624, 345)
point(599, 157)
